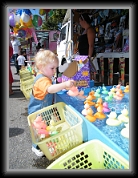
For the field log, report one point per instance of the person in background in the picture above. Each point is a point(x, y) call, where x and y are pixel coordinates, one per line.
point(10, 72)
point(43, 89)
point(25, 55)
point(21, 59)
point(87, 39)
point(38, 46)
point(16, 45)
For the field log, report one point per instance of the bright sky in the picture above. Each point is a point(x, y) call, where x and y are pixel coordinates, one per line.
point(35, 11)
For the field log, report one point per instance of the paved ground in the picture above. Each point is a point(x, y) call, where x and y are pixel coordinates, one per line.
point(20, 153)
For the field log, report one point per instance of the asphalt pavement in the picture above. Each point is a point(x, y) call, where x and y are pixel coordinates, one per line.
point(20, 143)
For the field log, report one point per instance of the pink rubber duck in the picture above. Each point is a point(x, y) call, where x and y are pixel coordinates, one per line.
point(73, 91)
point(118, 87)
point(105, 107)
point(119, 95)
point(86, 107)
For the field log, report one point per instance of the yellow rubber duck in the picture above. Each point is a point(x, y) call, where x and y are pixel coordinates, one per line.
point(99, 102)
point(92, 94)
point(90, 115)
point(91, 103)
point(99, 114)
point(126, 90)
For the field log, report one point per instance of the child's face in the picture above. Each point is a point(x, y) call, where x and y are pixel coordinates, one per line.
point(50, 69)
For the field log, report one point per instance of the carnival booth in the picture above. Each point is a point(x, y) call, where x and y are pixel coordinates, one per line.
point(87, 127)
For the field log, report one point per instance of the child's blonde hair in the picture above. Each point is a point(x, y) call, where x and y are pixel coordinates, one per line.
point(43, 57)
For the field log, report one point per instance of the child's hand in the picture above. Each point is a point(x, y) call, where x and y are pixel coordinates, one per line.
point(70, 83)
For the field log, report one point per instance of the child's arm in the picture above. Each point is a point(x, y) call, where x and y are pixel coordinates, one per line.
point(57, 87)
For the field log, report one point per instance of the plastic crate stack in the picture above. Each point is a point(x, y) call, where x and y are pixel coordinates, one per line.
point(26, 82)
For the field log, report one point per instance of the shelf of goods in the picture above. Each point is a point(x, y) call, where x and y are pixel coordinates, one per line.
point(114, 64)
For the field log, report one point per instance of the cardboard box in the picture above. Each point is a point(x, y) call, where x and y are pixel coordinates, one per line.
point(78, 70)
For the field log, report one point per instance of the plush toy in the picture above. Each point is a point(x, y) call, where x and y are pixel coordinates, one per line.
point(41, 127)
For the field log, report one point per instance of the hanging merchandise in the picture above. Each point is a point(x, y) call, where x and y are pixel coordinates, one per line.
point(122, 69)
point(102, 68)
point(110, 63)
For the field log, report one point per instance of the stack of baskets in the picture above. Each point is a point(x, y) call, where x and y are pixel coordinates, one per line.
point(26, 82)
point(93, 154)
point(66, 119)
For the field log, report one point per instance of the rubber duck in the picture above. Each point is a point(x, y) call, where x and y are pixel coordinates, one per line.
point(86, 107)
point(73, 91)
point(89, 97)
point(112, 119)
point(90, 115)
point(92, 94)
point(51, 126)
point(105, 107)
point(99, 114)
point(104, 90)
point(40, 127)
point(103, 87)
point(52, 129)
point(99, 102)
point(123, 117)
point(91, 103)
point(39, 123)
point(97, 92)
point(97, 95)
point(126, 90)
point(125, 131)
point(118, 87)
point(109, 97)
point(119, 95)
point(113, 90)
point(81, 95)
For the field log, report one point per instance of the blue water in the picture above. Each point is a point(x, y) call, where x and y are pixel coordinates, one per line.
point(112, 132)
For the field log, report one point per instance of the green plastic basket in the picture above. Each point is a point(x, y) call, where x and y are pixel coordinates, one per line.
point(93, 154)
point(70, 135)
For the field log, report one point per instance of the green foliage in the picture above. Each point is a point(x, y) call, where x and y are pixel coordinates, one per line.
point(125, 11)
point(53, 18)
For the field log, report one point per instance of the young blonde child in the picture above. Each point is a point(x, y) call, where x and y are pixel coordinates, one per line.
point(43, 90)
point(21, 60)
